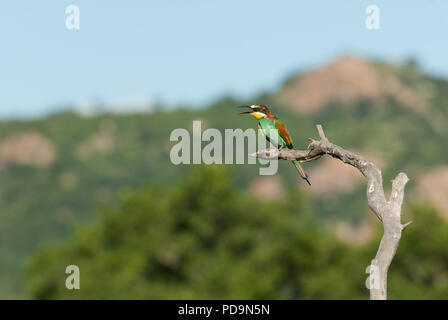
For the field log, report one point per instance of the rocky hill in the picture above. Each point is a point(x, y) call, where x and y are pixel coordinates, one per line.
point(351, 79)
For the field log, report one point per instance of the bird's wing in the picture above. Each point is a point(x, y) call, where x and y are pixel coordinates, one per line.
point(284, 134)
point(270, 131)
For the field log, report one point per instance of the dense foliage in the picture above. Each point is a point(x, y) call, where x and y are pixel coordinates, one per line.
point(207, 240)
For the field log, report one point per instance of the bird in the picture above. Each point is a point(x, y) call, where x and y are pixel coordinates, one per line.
point(274, 131)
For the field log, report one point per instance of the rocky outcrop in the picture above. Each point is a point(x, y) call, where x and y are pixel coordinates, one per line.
point(100, 142)
point(345, 81)
point(27, 148)
point(432, 187)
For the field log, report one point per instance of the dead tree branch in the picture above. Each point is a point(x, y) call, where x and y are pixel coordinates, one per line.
point(387, 211)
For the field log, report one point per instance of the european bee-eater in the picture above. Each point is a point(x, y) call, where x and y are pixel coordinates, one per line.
point(274, 131)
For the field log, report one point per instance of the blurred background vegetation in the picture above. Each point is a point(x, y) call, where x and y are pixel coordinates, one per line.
point(99, 191)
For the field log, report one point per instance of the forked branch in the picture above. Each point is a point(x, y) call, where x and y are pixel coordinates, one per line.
point(387, 211)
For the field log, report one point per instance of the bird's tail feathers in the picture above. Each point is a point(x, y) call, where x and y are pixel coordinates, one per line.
point(301, 171)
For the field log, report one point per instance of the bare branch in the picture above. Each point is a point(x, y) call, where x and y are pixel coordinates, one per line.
point(388, 212)
point(320, 130)
point(287, 154)
point(405, 225)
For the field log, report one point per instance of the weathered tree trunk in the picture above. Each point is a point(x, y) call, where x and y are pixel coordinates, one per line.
point(387, 211)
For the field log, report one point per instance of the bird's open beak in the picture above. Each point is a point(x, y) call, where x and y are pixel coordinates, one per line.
point(245, 112)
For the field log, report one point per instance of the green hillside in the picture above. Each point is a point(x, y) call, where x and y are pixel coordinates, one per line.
point(57, 171)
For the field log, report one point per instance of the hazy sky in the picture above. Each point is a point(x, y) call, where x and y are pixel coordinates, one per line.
point(195, 51)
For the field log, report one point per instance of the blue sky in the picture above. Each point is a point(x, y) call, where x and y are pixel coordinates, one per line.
point(195, 51)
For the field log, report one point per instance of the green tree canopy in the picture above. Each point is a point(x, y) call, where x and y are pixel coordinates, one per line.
point(205, 239)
